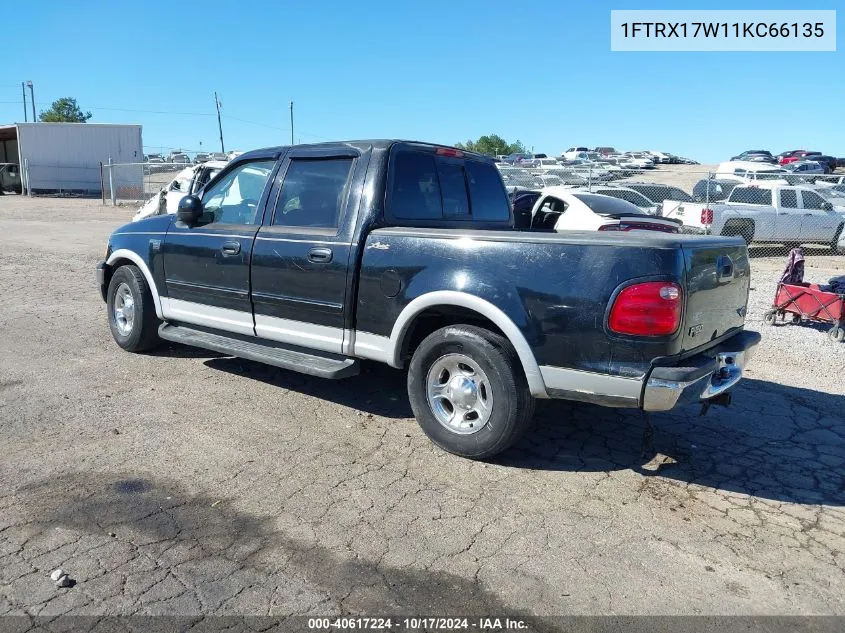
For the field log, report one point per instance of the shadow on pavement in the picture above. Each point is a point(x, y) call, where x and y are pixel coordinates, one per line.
point(378, 389)
point(143, 511)
point(775, 441)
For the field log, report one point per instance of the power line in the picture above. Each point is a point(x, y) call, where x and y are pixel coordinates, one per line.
point(202, 114)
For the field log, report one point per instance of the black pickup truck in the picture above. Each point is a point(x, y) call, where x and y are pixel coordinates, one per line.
point(314, 257)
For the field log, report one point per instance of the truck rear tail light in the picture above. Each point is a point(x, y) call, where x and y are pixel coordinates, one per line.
point(448, 151)
point(652, 308)
point(707, 216)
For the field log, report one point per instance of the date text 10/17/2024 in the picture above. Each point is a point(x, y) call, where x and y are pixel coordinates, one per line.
point(417, 623)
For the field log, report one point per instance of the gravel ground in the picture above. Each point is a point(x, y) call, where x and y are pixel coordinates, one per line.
point(182, 482)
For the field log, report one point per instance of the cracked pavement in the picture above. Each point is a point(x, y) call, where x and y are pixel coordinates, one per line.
point(237, 489)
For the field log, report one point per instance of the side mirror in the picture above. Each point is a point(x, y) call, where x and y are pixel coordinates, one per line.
point(189, 211)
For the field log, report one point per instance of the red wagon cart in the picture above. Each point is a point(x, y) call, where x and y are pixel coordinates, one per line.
point(808, 302)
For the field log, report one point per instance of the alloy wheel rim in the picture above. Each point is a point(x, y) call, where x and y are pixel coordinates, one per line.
point(459, 394)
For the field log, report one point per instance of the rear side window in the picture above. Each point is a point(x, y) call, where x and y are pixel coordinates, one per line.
point(751, 195)
point(788, 199)
point(431, 188)
point(312, 193)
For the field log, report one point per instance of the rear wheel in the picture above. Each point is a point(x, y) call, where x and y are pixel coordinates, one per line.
point(739, 228)
point(132, 316)
point(468, 392)
point(836, 334)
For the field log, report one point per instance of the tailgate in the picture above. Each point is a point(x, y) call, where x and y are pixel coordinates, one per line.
point(718, 280)
point(687, 212)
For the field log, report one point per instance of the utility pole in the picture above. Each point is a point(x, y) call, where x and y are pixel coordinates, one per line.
point(291, 122)
point(23, 92)
point(32, 99)
point(219, 124)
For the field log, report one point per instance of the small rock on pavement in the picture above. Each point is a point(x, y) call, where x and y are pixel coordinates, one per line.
point(57, 573)
point(63, 581)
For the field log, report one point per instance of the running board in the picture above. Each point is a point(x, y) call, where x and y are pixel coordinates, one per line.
point(314, 363)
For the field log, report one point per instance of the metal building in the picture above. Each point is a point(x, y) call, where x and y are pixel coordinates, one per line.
point(65, 157)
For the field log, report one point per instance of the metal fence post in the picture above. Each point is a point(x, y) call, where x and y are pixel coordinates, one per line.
point(28, 182)
point(102, 184)
point(111, 183)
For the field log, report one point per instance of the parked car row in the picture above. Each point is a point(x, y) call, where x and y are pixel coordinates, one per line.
point(828, 163)
point(176, 160)
point(764, 205)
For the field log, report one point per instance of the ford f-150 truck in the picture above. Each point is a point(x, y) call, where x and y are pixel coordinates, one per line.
point(316, 257)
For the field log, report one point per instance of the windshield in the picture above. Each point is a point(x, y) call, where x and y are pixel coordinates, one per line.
point(832, 195)
point(659, 193)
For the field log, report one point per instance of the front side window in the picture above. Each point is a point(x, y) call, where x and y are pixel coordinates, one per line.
point(313, 192)
point(812, 200)
point(234, 198)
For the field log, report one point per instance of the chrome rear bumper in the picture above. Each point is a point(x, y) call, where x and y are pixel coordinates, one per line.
point(702, 377)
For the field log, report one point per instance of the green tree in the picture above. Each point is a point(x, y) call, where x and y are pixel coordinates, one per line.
point(492, 145)
point(64, 110)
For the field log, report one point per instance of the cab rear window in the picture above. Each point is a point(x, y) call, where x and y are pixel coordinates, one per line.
point(431, 188)
point(751, 195)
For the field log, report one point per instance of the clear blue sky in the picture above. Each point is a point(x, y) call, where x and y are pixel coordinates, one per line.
point(442, 71)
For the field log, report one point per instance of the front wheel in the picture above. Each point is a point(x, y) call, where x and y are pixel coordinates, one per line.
point(468, 392)
point(836, 334)
point(132, 316)
point(770, 317)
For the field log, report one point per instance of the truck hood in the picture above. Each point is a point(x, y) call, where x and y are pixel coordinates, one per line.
point(156, 223)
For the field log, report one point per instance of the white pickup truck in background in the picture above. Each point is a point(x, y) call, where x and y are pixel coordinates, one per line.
point(782, 214)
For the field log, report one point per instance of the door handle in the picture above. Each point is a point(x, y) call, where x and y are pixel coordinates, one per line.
point(231, 248)
point(320, 255)
point(808, 215)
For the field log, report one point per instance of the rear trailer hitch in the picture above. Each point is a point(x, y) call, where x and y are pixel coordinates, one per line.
point(722, 400)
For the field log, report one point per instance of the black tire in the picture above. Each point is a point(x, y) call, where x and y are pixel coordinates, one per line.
point(743, 229)
point(142, 335)
point(511, 406)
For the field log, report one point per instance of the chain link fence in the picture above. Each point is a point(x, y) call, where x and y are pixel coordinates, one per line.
point(774, 210)
point(128, 183)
